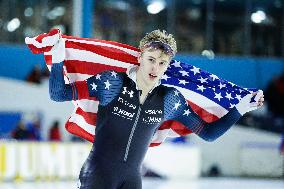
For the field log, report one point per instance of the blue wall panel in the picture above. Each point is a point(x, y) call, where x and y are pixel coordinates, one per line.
point(17, 61)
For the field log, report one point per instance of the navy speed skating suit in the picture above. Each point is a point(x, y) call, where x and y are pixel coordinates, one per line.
point(125, 126)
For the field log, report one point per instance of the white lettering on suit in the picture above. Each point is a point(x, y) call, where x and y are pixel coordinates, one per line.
point(126, 103)
point(123, 113)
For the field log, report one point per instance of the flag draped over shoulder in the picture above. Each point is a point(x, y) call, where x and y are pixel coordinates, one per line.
point(209, 96)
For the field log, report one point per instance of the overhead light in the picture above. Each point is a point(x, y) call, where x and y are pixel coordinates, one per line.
point(28, 12)
point(193, 13)
point(156, 6)
point(208, 53)
point(13, 24)
point(258, 16)
point(56, 12)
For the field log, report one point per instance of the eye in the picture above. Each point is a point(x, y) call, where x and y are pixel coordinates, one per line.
point(162, 63)
point(151, 60)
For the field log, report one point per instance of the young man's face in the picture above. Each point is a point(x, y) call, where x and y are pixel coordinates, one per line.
point(153, 64)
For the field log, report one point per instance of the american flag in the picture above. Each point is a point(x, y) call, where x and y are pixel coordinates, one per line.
point(209, 96)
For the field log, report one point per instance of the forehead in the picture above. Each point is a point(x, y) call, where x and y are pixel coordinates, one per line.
point(156, 53)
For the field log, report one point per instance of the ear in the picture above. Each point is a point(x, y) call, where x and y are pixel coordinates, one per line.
point(139, 57)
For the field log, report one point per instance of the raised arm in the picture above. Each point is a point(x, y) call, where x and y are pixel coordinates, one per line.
point(104, 86)
point(58, 90)
point(176, 108)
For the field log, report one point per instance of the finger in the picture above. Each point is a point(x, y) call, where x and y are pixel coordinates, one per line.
point(254, 93)
point(258, 96)
point(262, 99)
point(260, 104)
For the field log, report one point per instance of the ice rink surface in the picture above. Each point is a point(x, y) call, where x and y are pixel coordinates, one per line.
point(206, 183)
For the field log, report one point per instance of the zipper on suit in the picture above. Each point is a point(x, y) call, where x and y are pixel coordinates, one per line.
point(131, 134)
point(133, 129)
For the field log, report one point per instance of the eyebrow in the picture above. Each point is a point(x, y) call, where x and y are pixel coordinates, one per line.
point(155, 58)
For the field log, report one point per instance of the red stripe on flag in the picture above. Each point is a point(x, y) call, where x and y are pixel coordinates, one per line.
point(36, 50)
point(103, 41)
point(83, 91)
point(108, 52)
point(51, 33)
point(48, 59)
point(90, 68)
point(89, 117)
point(178, 127)
point(206, 116)
point(73, 128)
point(154, 144)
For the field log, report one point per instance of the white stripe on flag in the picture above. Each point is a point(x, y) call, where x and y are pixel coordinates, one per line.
point(77, 77)
point(129, 51)
point(81, 55)
point(207, 104)
point(88, 105)
point(79, 120)
point(46, 41)
point(160, 136)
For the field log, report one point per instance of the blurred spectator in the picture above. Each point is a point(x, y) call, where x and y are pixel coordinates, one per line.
point(214, 171)
point(54, 132)
point(34, 129)
point(35, 75)
point(20, 132)
point(274, 96)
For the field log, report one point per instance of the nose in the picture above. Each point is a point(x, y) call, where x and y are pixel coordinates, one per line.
point(155, 68)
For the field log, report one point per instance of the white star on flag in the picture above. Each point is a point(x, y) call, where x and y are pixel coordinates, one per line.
point(176, 63)
point(218, 96)
point(201, 88)
point(186, 112)
point(165, 77)
point(98, 76)
point(228, 96)
point(113, 73)
point(213, 77)
point(222, 85)
point(232, 105)
point(241, 90)
point(238, 97)
point(177, 105)
point(94, 86)
point(195, 70)
point(183, 82)
point(176, 93)
point(202, 80)
point(184, 73)
point(107, 85)
point(231, 84)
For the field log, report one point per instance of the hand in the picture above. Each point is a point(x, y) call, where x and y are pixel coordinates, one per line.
point(58, 51)
point(245, 105)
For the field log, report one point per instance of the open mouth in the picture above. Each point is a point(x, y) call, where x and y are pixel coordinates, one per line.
point(152, 76)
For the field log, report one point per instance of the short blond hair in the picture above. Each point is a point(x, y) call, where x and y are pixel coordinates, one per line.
point(161, 36)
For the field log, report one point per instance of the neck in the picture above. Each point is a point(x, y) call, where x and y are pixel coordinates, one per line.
point(142, 85)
